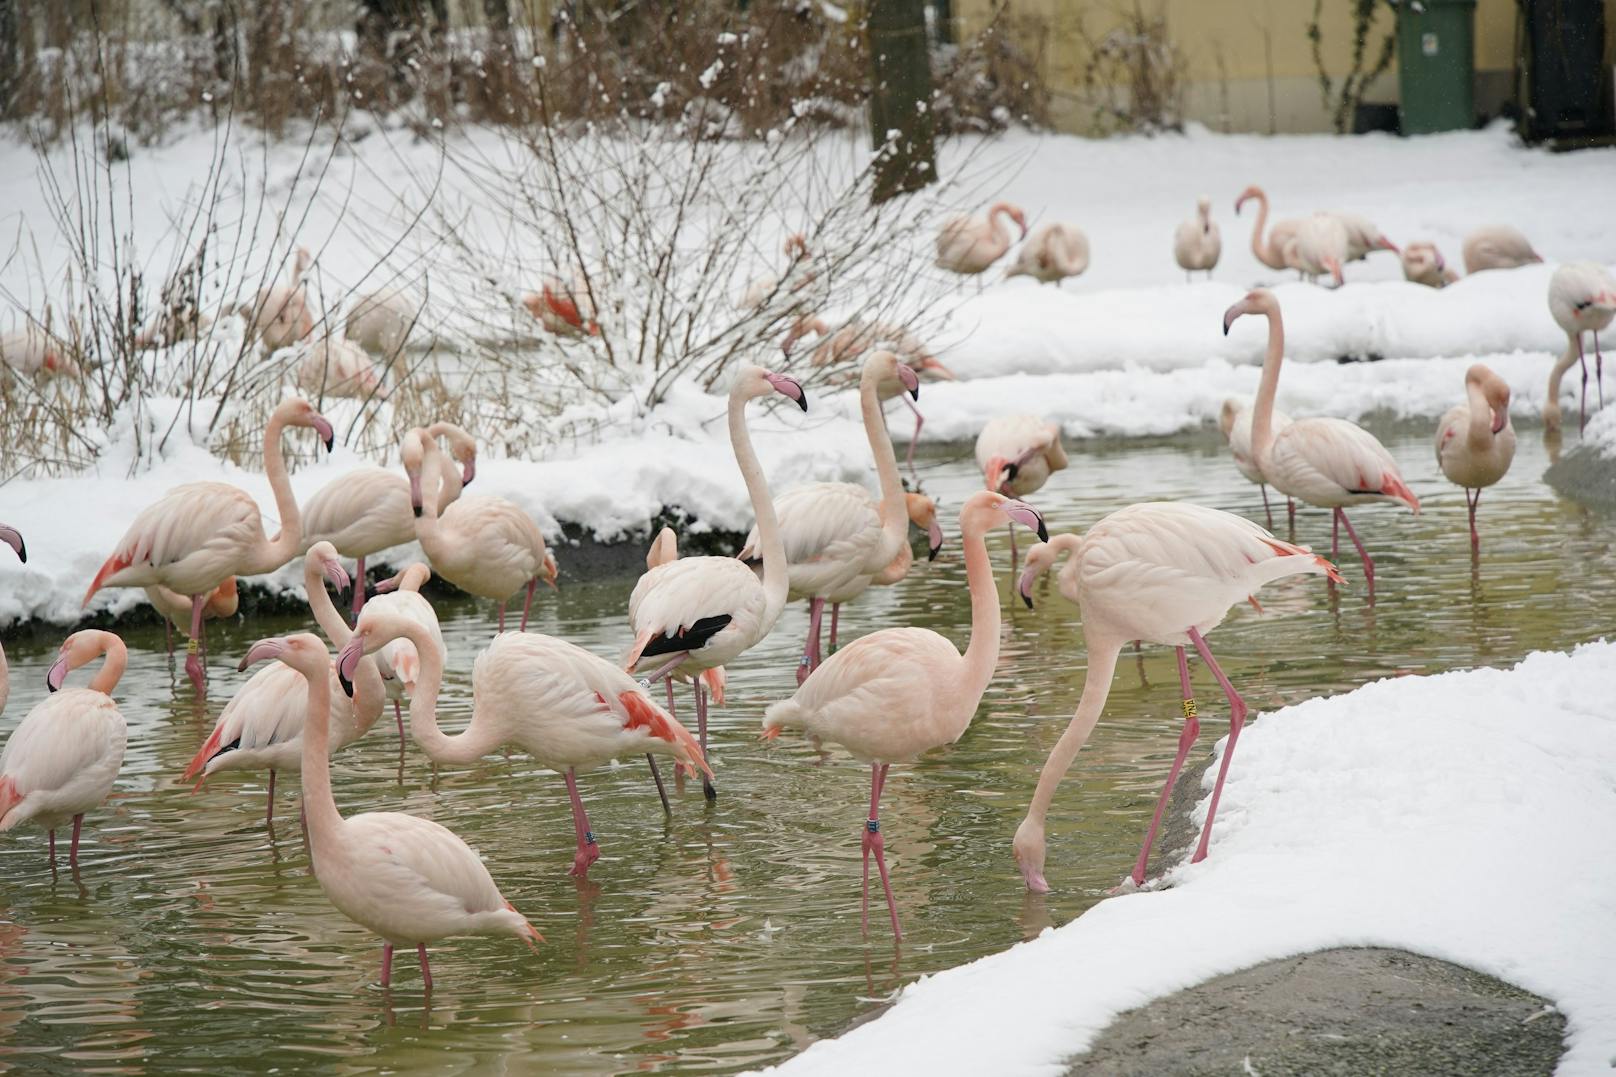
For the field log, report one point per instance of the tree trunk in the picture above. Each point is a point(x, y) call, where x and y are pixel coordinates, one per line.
point(901, 124)
point(11, 47)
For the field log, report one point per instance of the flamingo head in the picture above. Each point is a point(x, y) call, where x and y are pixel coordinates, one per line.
point(322, 557)
point(413, 454)
point(923, 514)
point(664, 548)
point(1040, 559)
point(1029, 850)
point(1228, 415)
point(1494, 390)
point(1018, 215)
point(999, 473)
point(303, 651)
point(13, 538)
point(983, 503)
point(295, 411)
point(1203, 208)
point(801, 328)
point(1247, 195)
point(462, 446)
point(1256, 301)
point(76, 650)
point(753, 381)
point(884, 365)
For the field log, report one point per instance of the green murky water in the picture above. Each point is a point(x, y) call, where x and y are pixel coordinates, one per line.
point(727, 936)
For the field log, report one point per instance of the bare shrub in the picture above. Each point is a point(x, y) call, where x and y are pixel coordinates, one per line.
point(1133, 75)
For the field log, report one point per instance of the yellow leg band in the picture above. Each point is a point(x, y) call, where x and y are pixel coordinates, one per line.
point(1189, 709)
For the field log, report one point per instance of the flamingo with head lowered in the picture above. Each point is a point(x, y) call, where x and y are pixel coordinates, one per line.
point(199, 534)
point(410, 880)
point(1330, 463)
point(969, 245)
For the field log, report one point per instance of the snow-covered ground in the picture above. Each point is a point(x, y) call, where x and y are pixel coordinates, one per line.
point(1469, 816)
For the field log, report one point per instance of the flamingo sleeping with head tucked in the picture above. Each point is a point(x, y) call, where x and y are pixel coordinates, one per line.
point(1497, 246)
point(410, 880)
point(970, 245)
point(1330, 463)
point(1474, 441)
point(201, 533)
point(1197, 244)
point(1052, 252)
point(1423, 264)
point(280, 315)
point(1160, 572)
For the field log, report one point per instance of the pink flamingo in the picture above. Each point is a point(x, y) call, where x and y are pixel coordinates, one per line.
point(1052, 252)
point(280, 316)
point(1363, 236)
point(1329, 463)
point(1321, 246)
point(1234, 419)
point(1582, 299)
point(33, 350)
point(1424, 264)
point(1198, 244)
point(333, 366)
point(410, 880)
point(175, 608)
point(565, 310)
point(893, 694)
point(367, 510)
point(198, 534)
point(1161, 572)
point(63, 759)
point(262, 726)
point(1475, 442)
point(922, 512)
point(798, 275)
point(486, 546)
point(970, 245)
point(1017, 455)
point(399, 662)
point(13, 538)
point(1497, 246)
point(1269, 250)
point(837, 537)
point(382, 323)
point(569, 709)
point(695, 614)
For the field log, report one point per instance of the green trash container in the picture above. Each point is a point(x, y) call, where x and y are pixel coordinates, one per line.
point(1436, 61)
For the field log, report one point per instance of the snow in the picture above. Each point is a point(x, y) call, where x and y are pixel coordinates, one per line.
point(1376, 818)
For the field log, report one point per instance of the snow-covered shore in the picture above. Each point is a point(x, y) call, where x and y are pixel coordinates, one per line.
point(1468, 816)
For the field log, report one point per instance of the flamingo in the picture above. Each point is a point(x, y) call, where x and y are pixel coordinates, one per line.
point(891, 695)
point(486, 546)
point(198, 534)
point(1582, 298)
point(1161, 572)
point(565, 310)
point(336, 367)
point(1362, 236)
point(175, 608)
point(1329, 463)
point(1197, 244)
point(692, 615)
point(1017, 454)
point(32, 350)
point(1234, 419)
point(922, 512)
point(1497, 246)
point(63, 758)
point(1270, 251)
point(1052, 252)
point(1475, 442)
point(569, 709)
point(382, 322)
point(836, 536)
point(410, 880)
point(797, 275)
point(399, 661)
point(970, 245)
point(13, 538)
point(262, 726)
point(1320, 246)
point(1423, 264)
point(280, 315)
point(368, 509)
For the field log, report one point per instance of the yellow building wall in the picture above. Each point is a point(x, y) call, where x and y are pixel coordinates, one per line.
point(1248, 64)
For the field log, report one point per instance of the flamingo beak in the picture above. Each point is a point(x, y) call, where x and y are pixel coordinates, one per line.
point(56, 674)
point(934, 539)
point(1034, 879)
point(468, 471)
point(1500, 419)
point(258, 652)
point(415, 493)
point(1231, 314)
point(1024, 514)
point(1388, 245)
point(790, 388)
point(13, 538)
point(322, 427)
point(1024, 584)
point(909, 380)
point(338, 575)
point(348, 661)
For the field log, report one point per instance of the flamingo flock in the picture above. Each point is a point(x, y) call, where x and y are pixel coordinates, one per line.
point(1158, 573)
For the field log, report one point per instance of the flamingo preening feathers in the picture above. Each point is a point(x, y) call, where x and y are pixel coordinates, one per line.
point(1475, 442)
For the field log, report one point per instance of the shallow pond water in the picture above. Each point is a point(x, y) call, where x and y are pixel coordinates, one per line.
point(726, 936)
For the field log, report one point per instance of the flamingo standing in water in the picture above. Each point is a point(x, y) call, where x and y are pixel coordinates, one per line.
point(280, 316)
point(399, 661)
point(1160, 572)
point(13, 538)
point(175, 608)
point(367, 510)
point(837, 537)
point(1017, 454)
point(1329, 463)
point(893, 694)
point(1197, 244)
point(262, 727)
point(569, 709)
point(1497, 246)
point(1052, 252)
point(694, 614)
point(1582, 298)
point(970, 245)
point(1270, 249)
point(486, 546)
point(410, 880)
point(1234, 419)
point(198, 534)
point(63, 759)
point(1474, 441)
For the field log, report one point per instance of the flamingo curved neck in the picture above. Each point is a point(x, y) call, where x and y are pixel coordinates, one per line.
point(1096, 688)
point(477, 740)
point(1551, 406)
point(332, 623)
point(284, 546)
point(776, 573)
point(1480, 431)
point(106, 678)
point(982, 653)
point(1259, 246)
point(894, 510)
point(1262, 417)
point(427, 530)
point(5, 679)
point(320, 808)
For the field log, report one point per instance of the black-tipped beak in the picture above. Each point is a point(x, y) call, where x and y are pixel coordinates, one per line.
point(1043, 532)
point(347, 685)
point(802, 401)
point(1025, 597)
point(56, 674)
point(330, 443)
point(13, 538)
point(1010, 473)
point(932, 552)
point(1228, 320)
point(417, 510)
point(914, 394)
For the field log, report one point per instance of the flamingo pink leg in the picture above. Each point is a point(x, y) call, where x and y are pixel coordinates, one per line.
point(73, 849)
point(707, 789)
point(387, 963)
point(810, 649)
point(398, 716)
point(1474, 503)
point(1368, 562)
point(193, 660)
point(51, 852)
point(835, 615)
point(1582, 404)
point(1186, 740)
point(920, 420)
point(1290, 511)
point(527, 605)
point(426, 969)
point(1237, 719)
point(502, 617)
point(269, 801)
point(358, 587)
point(875, 843)
point(1599, 368)
point(1268, 512)
point(168, 641)
point(588, 851)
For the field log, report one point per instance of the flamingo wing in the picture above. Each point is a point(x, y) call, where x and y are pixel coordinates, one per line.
point(422, 881)
point(360, 513)
point(1320, 459)
point(74, 736)
point(189, 519)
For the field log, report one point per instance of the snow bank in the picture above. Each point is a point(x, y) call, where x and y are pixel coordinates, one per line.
point(1469, 816)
